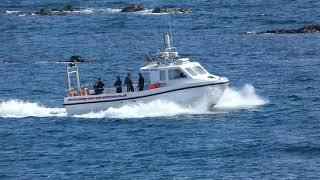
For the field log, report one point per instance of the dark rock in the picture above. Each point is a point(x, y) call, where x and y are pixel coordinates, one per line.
point(44, 12)
point(156, 10)
point(77, 58)
point(171, 10)
point(305, 29)
point(133, 8)
point(55, 9)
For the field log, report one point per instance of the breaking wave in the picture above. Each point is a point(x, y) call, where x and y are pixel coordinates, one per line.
point(156, 108)
point(12, 12)
point(244, 98)
point(20, 109)
point(108, 10)
point(232, 99)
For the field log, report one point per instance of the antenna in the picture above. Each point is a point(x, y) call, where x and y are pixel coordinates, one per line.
point(157, 46)
point(170, 30)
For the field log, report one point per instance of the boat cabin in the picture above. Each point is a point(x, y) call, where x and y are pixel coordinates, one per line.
point(169, 74)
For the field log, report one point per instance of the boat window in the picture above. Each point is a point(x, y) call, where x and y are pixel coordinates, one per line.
point(163, 75)
point(176, 74)
point(146, 76)
point(190, 71)
point(199, 70)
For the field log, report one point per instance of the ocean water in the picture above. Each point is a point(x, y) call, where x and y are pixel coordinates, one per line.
point(266, 125)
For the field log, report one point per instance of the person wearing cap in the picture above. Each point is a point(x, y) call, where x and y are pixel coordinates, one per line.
point(128, 83)
point(118, 85)
point(140, 82)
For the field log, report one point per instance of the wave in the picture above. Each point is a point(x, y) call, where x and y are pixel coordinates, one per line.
point(108, 10)
point(156, 108)
point(149, 12)
point(12, 12)
point(20, 109)
point(232, 99)
point(245, 98)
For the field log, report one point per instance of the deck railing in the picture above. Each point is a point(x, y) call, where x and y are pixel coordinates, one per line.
point(107, 90)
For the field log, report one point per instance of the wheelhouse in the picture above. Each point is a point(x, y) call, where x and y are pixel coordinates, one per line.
point(181, 71)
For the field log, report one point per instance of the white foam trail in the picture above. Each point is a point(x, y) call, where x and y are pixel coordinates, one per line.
point(20, 109)
point(244, 98)
point(156, 108)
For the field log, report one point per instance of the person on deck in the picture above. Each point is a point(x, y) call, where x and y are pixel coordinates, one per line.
point(99, 86)
point(118, 85)
point(140, 82)
point(128, 83)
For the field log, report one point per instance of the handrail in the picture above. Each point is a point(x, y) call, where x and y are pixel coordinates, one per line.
point(108, 90)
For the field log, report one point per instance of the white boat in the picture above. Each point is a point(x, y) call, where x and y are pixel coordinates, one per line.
point(169, 77)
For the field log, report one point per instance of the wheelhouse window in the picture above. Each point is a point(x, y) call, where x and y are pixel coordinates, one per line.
point(163, 75)
point(190, 71)
point(199, 70)
point(175, 74)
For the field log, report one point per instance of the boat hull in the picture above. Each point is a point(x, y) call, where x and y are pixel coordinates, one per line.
point(186, 96)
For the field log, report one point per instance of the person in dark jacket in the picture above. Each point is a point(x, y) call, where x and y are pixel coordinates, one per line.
point(118, 85)
point(99, 86)
point(140, 82)
point(128, 83)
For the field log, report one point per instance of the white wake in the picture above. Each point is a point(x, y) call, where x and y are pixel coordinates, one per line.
point(156, 108)
point(20, 109)
point(232, 99)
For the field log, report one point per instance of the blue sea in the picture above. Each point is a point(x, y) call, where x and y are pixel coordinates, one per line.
point(265, 126)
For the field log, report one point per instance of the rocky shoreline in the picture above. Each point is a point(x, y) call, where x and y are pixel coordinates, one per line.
point(69, 10)
point(56, 11)
point(315, 28)
point(169, 10)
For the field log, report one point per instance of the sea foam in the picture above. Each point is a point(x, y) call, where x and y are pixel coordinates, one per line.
point(19, 109)
point(244, 98)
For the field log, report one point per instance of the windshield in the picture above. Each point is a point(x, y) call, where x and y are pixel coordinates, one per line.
point(190, 71)
point(199, 70)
